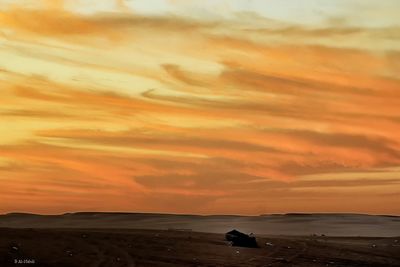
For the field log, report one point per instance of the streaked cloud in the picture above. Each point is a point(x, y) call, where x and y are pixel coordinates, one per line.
point(170, 106)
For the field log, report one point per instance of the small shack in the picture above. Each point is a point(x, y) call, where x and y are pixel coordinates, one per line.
point(239, 239)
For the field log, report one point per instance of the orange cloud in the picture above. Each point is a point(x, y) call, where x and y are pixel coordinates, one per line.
point(185, 115)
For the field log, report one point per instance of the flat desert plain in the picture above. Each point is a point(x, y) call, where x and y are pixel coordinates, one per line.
point(114, 239)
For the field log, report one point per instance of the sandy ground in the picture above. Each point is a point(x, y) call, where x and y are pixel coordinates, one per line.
point(153, 248)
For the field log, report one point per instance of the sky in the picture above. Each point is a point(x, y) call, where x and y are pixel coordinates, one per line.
point(201, 107)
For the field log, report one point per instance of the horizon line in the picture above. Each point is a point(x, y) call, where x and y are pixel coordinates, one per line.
point(205, 215)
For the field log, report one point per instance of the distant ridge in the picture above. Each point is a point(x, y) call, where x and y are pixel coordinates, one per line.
point(326, 214)
point(199, 215)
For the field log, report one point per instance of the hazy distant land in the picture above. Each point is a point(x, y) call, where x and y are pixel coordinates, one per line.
point(276, 224)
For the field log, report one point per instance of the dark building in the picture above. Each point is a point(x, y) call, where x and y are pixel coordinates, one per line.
point(239, 239)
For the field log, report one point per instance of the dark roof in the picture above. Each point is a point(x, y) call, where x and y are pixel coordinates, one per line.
point(237, 233)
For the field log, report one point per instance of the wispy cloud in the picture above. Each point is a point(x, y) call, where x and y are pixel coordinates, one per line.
point(175, 112)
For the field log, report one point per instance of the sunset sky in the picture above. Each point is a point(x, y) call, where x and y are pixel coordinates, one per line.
point(206, 107)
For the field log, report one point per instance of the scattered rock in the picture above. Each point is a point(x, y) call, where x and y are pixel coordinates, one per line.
point(281, 259)
point(69, 253)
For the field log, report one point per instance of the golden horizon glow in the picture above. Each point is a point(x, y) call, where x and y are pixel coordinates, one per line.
point(222, 107)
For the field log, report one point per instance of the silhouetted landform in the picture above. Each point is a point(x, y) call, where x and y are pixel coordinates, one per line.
point(278, 224)
point(157, 248)
point(239, 239)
